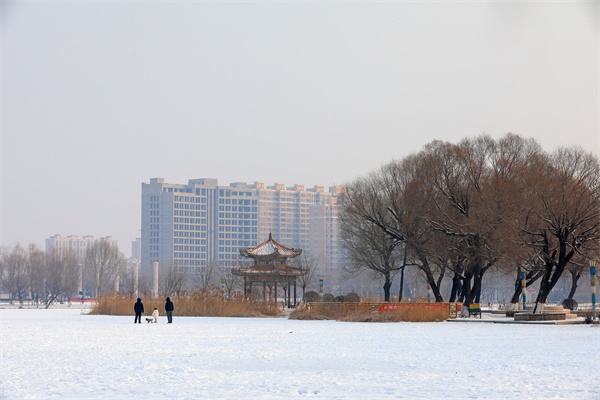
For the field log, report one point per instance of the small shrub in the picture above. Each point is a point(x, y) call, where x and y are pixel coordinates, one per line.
point(311, 297)
point(340, 299)
point(352, 298)
point(571, 304)
point(328, 298)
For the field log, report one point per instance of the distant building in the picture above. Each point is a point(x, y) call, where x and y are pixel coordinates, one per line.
point(200, 223)
point(136, 249)
point(77, 244)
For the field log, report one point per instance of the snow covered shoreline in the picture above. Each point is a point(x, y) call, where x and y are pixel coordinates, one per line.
point(60, 353)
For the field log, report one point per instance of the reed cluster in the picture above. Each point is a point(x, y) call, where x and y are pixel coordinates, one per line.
point(199, 304)
point(368, 312)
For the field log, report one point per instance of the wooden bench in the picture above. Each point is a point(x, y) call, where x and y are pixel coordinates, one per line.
point(474, 309)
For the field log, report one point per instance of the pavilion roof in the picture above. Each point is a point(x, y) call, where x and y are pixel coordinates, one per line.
point(270, 247)
point(281, 270)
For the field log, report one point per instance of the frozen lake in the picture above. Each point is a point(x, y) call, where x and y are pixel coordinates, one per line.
point(60, 353)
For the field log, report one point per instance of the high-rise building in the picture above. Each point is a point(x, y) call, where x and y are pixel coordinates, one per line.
point(202, 223)
point(196, 224)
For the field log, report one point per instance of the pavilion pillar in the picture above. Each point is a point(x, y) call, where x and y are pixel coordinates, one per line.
point(275, 291)
point(295, 292)
point(264, 292)
point(289, 289)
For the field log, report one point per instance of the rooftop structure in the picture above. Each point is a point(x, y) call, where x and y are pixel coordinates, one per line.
point(270, 252)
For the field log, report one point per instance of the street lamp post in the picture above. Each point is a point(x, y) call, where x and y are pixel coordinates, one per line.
point(593, 285)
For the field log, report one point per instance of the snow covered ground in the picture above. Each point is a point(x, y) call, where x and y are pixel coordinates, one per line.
point(60, 353)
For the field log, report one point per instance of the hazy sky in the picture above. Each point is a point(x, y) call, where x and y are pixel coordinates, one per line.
point(98, 97)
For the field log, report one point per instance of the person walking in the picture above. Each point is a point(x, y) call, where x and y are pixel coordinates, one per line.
point(169, 309)
point(155, 315)
point(139, 309)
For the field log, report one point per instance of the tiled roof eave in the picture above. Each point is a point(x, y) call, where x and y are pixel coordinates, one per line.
point(270, 247)
point(281, 270)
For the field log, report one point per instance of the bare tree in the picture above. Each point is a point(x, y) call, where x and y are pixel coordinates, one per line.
point(394, 200)
point(533, 270)
point(103, 262)
point(308, 264)
point(575, 270)
point(481, 204)
point(127, 281)
point(370, 236)
point(408, 200)
point(15, 275)
point(173, 281)
point(38, 271)
point(368, 247)
point(203, 276)
point(71, 270)
point(478, 185)
point(145, 286)
point(229, 282)
point(61, 275)
point(561, 218)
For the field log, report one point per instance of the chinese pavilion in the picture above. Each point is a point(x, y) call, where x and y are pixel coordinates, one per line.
point(270, 268)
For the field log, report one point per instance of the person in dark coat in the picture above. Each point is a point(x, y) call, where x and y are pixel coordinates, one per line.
point(139, 309)
point(169, 309)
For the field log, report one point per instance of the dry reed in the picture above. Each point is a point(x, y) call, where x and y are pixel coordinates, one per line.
point(194, 305)
point(368, 313)
point(406, 315)
point(214, 304)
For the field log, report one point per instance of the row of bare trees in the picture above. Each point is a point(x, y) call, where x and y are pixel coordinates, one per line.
point(462, 209)
point(31, 273)
point(46, 276)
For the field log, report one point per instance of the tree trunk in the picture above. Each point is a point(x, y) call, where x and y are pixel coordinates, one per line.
point(531, 277)
point(463, 290)
point(401, 285)
point(434, 288)
point(456, 286)
point(549, 280)
point(50, 300)
point(553, 268)
point(575, 275)
point(468, 295)
point(432, 283)
point(473, 293)
point(386, 287)
point(518, 289)
point(477, 278)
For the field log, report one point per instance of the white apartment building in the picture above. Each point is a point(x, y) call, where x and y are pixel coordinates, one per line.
point(77, 244)
point(201, 222)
